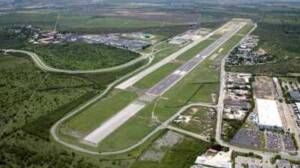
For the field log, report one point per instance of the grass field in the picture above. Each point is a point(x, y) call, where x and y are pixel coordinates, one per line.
point(182, 155)
point(81, 55)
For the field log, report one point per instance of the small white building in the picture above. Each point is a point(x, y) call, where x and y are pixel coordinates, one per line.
point(268, 114)
point(219, 160)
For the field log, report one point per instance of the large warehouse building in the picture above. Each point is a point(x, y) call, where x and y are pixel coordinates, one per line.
point(268, 115)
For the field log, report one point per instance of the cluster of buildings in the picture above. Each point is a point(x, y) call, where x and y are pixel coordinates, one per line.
point(237, 101)
point(116, 40)
point(245, 53)
point(188, 36)
point(130, 41)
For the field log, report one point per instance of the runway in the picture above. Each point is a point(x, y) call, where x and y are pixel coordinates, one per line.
point(104, 130)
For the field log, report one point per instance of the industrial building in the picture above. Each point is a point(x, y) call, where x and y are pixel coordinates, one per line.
point(268, 115)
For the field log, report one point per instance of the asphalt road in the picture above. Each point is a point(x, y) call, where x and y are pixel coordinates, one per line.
point(43, 66)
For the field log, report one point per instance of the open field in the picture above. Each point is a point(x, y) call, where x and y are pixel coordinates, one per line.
point(202, 120)
point(198, 86)
point(66, 21)
point(70, 22)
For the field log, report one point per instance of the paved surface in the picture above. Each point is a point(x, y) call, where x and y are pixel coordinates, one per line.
point(113, 123)
point(251, 162)
point(131, 81)
point(43, 66)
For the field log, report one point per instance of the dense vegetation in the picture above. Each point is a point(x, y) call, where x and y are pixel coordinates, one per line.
point(32, 101)
point(82, 55)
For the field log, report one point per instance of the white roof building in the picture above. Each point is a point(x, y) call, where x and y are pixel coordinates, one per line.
point(298, 106)
point(221, 159)
point(268, 115)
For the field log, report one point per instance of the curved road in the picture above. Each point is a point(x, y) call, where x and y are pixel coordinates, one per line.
point(43, 66)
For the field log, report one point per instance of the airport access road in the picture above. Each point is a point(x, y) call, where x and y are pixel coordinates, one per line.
point(43, 66)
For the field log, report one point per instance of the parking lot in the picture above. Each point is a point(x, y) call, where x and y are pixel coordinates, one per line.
point(274, 142)
point(247, 137)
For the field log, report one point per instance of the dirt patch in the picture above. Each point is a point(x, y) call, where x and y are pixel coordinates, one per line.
point(264, 87)
point(158, 149)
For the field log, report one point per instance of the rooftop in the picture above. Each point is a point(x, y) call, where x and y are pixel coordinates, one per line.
point(268, 114)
